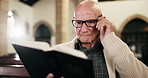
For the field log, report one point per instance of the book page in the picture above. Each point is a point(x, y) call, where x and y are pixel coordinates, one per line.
point(69, 51)
point(33, 44)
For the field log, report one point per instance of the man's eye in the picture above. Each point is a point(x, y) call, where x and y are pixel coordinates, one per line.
point(79, 22)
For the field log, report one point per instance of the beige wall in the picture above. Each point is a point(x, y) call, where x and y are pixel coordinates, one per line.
point(119, 11)
point(71, 32)
point(23, 14)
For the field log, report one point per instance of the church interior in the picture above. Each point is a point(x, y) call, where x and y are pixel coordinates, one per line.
point(50, 21)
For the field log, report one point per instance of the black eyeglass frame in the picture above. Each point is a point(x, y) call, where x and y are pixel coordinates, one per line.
point(96, 20)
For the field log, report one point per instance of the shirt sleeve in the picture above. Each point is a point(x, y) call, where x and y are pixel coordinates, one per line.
point(123, 58)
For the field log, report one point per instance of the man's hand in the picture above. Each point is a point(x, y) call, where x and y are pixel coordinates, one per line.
point(104, 26)
point(50, 75)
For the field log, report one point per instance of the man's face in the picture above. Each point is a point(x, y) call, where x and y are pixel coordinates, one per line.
point(86, 34)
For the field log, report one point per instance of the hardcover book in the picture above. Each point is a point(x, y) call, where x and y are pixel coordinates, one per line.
point(40, 59)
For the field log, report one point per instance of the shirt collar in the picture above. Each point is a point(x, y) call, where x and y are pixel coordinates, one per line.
point(97, 48)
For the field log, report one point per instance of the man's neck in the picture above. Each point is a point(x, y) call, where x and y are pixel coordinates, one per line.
point(89, 45)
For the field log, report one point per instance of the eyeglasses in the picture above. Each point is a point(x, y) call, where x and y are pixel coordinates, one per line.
point(88, 23)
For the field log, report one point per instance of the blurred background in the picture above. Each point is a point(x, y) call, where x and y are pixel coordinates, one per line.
point(50, 21)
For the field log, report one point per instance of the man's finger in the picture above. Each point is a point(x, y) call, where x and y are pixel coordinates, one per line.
point(50, 75)
point(99, 25)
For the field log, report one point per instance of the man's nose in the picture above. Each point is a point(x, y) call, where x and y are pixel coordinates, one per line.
point(84, 28)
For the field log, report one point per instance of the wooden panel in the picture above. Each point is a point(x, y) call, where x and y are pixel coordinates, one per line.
point(11, 66)
point(13, 71)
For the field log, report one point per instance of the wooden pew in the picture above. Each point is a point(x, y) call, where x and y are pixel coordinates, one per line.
point(11, 66)
point(13, 71)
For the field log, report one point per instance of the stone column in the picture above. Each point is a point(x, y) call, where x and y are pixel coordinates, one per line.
point(62, 15)
point(3, 27)
point(58, 21)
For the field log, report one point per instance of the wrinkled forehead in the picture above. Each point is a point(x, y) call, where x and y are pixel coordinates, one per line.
point(86, 13)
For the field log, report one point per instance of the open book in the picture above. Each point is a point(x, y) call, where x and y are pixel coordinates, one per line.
point(40, 59)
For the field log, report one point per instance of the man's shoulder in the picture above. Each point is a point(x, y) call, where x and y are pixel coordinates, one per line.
point(63, 44)
point(69, 44)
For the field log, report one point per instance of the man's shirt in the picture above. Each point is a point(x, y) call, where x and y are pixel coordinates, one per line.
point(97, 56)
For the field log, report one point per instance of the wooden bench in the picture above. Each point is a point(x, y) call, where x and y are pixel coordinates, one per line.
point(13, 71)
point(11, 66)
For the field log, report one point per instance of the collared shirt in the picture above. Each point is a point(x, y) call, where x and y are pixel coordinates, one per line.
point(96, 55)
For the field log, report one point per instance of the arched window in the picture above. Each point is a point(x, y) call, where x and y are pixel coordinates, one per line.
point(43, 34)
point(135, 34)
point(10, 23)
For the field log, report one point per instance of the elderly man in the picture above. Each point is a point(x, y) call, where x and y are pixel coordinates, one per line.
point(96, 38)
